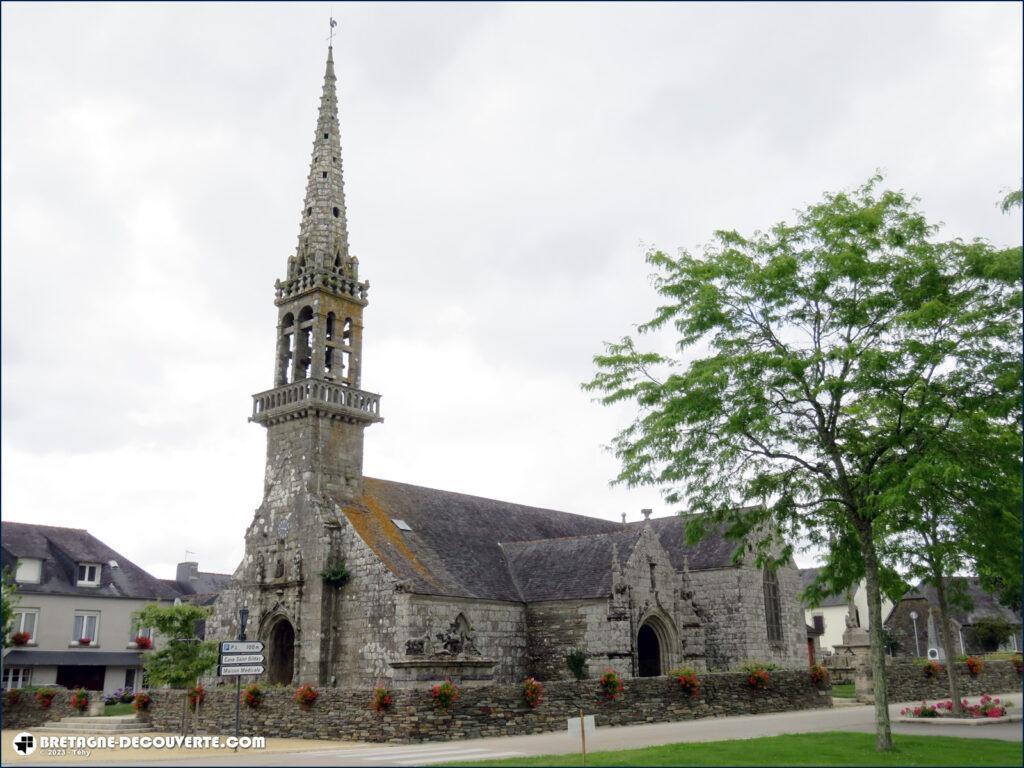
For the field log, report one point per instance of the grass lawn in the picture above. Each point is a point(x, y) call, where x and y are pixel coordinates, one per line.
point(118, 709)
point(843, 691)
point(829, 748)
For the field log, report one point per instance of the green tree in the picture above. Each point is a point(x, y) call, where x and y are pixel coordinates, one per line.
point(989, 632)
point(812, 366)
point(8, 599)
point(183, 657)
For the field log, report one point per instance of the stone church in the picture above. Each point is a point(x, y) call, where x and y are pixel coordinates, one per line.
point(358, 580)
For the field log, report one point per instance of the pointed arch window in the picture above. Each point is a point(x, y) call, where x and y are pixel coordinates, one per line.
point(772, 605)
point(330, 325)
point(346, 332)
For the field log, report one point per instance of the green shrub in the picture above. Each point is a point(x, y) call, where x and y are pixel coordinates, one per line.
point(336, 574)
point(576, 661)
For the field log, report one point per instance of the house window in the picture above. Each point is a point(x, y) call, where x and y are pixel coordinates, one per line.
point(137, 632)
point(86, 626)
point(88, 574)
point(772, 606)
point(30, 570)
point(25, 622)
point(17, 677)
point(129, 679)
point(819, 624)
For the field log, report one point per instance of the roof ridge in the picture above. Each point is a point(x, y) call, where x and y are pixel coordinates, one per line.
point(636, 533)
point(489, 498)
point(43, 525)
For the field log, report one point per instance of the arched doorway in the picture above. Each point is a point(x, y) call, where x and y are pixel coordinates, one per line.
point(282, 652)
point(648, 652)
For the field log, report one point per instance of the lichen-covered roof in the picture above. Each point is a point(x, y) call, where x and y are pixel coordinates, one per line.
point(453, 545)
point(468, 546)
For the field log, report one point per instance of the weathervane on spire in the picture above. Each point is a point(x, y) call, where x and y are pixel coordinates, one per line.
point(333, 25)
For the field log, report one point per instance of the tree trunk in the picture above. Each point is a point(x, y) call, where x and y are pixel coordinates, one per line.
point(947, 642)
point(184, 713)
point(883, 731)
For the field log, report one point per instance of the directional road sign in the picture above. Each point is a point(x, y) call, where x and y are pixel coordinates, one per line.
point(251, 669)
point(239, 646)
point(241, 658)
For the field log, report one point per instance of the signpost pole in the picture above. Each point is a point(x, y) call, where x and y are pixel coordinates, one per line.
point(243, 616)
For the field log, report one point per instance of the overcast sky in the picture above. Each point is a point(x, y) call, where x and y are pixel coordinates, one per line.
point(506, 167)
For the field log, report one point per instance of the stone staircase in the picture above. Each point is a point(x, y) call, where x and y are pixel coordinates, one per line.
point(114, 725)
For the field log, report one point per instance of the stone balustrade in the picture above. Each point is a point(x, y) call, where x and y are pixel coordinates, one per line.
point(330, 281)
point(346, 402)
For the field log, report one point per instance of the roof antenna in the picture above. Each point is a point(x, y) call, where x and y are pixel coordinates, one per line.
point(189, 552)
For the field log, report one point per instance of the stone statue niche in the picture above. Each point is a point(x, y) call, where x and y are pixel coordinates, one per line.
point(454, 655)
point(458, 640)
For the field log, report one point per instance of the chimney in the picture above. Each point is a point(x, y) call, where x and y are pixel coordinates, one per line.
point(187, 571)
point(646, 513)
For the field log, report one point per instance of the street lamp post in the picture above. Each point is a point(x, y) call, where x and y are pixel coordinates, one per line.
point(243, 619)
point(917, 644)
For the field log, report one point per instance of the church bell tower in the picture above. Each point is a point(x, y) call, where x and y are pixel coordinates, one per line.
point(316, 413)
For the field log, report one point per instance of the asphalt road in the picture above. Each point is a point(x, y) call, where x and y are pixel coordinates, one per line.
point(843, 718)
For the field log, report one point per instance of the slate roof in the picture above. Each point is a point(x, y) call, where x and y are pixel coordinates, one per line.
point(468, 546)
point(807, 575)
point(202, 588)
point(983, 603)
point(61, 549)
point(569, 568)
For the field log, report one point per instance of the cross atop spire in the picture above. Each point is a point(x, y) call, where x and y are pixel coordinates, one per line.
point(321, 255)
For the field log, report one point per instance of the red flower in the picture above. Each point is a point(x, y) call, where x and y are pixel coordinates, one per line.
point(143, 643)
point(533, 692)
point(20, 638)
point(382, 699)
point(306, 695)
point(142, 701)
point(610, 685)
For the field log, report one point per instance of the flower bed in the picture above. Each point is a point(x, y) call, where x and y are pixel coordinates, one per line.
point(987, 707)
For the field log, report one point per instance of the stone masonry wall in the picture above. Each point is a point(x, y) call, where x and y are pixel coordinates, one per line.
point(363, 625)
point(730, 602)
point(498, 628)
point(488, 710)
point(907, 681)
point(27, 713)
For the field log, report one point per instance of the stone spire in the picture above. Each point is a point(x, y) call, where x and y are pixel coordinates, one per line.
point(323, 235)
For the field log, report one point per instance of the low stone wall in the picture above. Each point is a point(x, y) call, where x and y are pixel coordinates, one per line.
point(28, 713)
point(907, 681)
point(487, 710)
